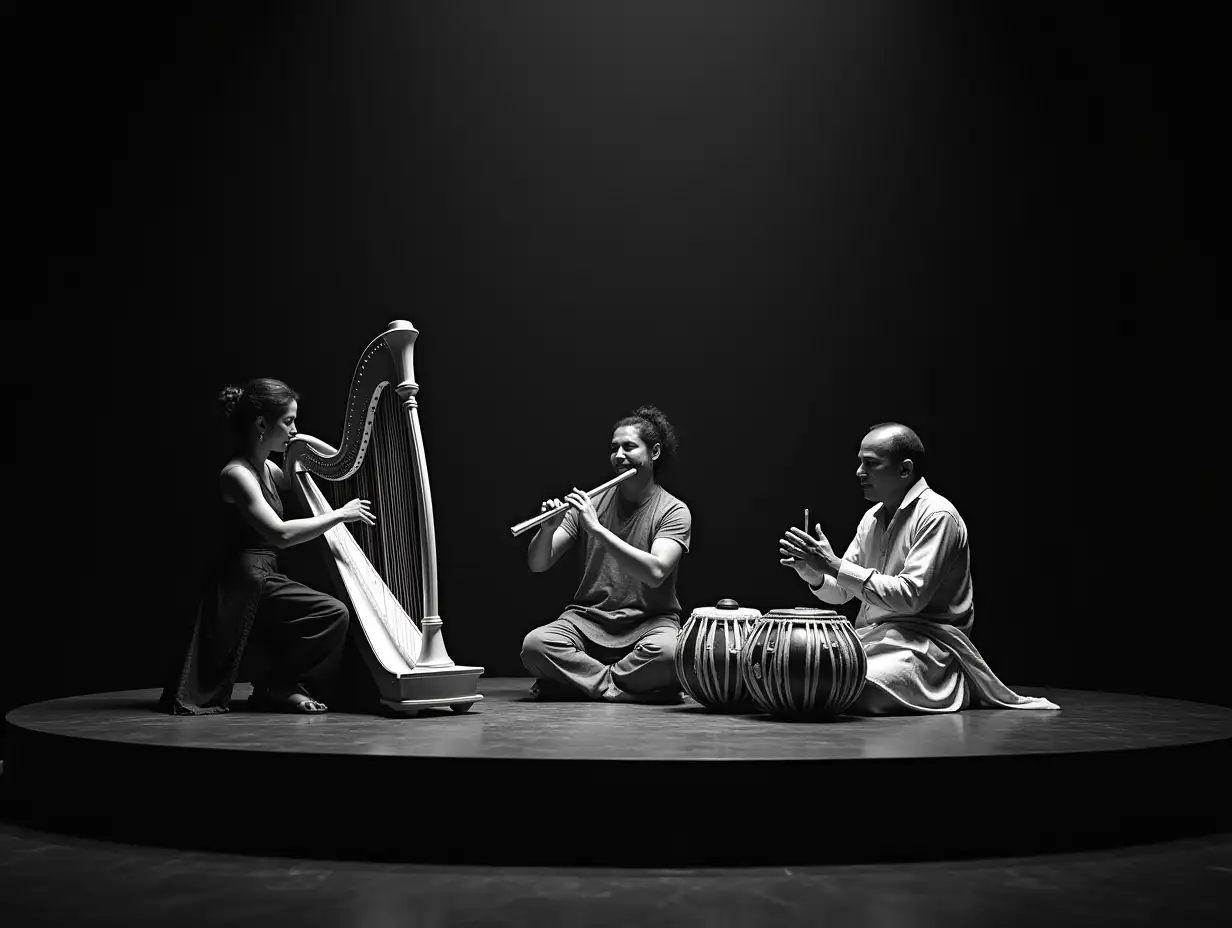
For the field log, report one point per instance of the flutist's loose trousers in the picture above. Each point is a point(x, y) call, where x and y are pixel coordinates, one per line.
point(559, 654)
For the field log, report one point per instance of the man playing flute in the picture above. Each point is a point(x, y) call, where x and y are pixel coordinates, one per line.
point(617, 640)
point(910, 566)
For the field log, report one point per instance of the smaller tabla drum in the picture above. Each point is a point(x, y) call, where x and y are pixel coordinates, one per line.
point(803, 664)
point(708, 655)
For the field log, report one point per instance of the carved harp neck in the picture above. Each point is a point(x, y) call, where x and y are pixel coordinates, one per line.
point(388, 359)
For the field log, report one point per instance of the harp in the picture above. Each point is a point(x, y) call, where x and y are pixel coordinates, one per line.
point(387, 573)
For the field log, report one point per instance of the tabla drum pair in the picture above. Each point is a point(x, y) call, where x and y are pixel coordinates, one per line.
point(801, 663)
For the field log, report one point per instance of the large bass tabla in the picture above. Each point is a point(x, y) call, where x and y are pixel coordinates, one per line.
point(803, 664)
point(708, 655)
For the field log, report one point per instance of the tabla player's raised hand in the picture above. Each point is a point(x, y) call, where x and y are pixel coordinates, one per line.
point(812, 558)
point(809, 542)
point(553, 523)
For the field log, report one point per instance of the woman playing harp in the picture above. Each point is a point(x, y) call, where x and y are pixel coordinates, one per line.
point(300, 630)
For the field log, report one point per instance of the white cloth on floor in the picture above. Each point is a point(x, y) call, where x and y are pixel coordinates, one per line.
point(915, 665)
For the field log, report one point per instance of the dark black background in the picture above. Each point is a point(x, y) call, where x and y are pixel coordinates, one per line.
point(780, 222)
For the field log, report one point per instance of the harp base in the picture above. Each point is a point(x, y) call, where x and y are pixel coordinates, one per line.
point(455, 687)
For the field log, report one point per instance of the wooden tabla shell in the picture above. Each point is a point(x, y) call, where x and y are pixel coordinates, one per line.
point(708, 656)
point(804, 664)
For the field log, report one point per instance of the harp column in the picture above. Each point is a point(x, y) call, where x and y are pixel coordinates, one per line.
point(432, 651)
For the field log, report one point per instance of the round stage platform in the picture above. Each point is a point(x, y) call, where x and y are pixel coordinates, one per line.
point(516, 780)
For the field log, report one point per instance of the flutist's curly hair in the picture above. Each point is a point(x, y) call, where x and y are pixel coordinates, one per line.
point(654, 429)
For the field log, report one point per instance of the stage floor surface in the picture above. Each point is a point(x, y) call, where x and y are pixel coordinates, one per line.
point(1106, 767)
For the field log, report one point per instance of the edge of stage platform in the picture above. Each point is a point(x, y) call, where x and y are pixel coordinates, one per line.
point(486, 787)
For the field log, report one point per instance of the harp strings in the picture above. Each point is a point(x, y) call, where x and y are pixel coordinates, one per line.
point(387, 478)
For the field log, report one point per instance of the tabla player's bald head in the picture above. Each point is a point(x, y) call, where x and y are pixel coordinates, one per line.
point(891, 459)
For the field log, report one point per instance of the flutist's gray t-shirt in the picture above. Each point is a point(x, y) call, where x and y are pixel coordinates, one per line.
point(612, 607)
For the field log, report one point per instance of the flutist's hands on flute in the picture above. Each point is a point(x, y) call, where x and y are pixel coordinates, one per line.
point(552, 524)
point(586, 510)
point(577, 500)
point(812, 557)
point(549, 508)
point(651, 567)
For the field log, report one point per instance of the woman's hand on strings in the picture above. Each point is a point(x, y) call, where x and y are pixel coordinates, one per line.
point(358, 510)
point(586, 510)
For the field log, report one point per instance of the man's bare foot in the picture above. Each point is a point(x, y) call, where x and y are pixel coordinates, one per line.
point(285, 700)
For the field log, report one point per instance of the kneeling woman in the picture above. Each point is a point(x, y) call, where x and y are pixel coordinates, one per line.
point(300, 630)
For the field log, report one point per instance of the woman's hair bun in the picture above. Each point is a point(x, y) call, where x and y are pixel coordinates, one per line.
point(229, 398)
point(261, 396)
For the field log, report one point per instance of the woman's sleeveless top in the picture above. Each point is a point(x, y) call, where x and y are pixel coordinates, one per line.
point(238, 535)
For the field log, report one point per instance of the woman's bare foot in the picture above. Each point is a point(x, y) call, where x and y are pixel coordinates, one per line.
point(285, 700)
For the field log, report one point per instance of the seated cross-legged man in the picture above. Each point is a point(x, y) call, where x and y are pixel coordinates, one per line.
point(617, 640)
point(910, 566)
